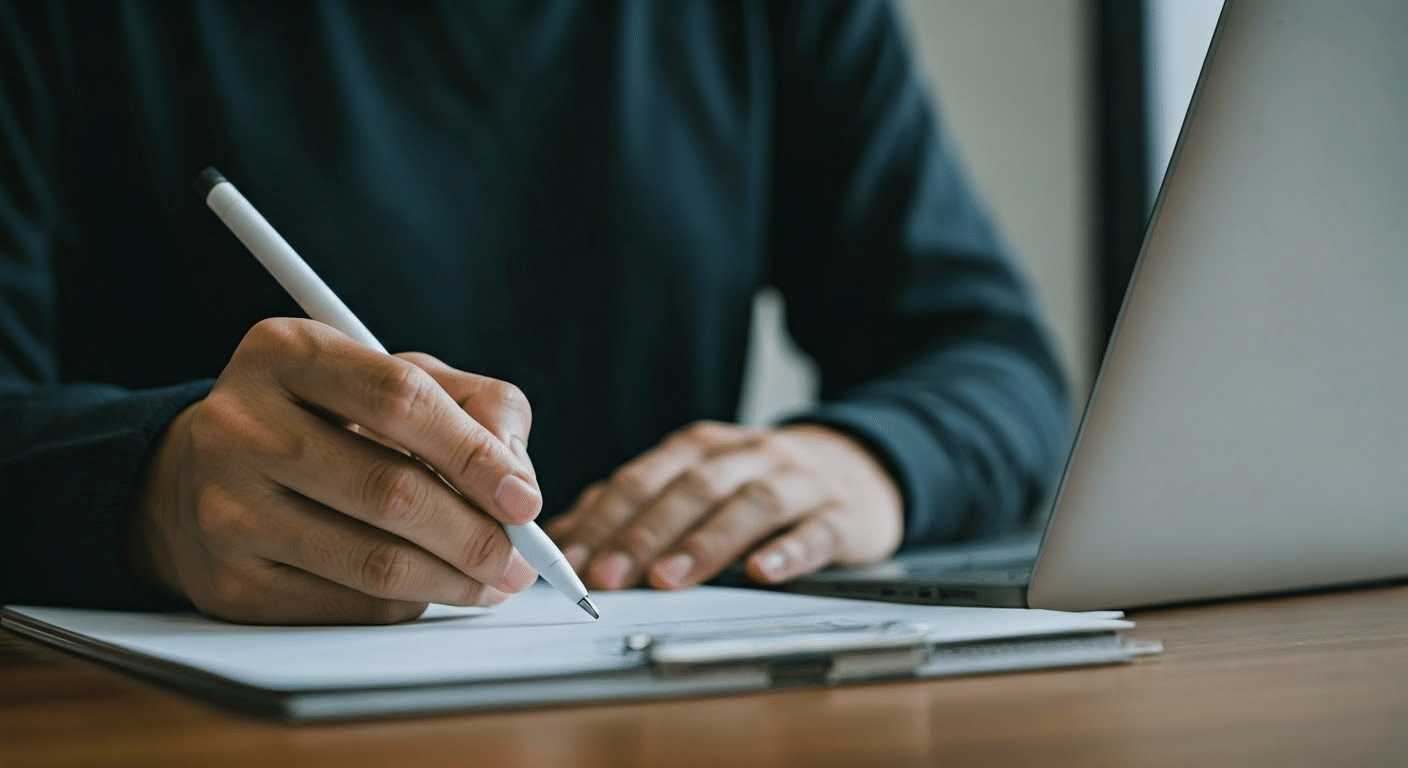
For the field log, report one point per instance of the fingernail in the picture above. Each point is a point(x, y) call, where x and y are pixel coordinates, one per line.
point(518, 500)
point(611, 572)
point(674, 571)
point(773, 565)
point(492, 596)
point(576, 555)
point(518, 576)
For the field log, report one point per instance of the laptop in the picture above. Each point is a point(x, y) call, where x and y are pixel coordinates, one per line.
point(1248, 429)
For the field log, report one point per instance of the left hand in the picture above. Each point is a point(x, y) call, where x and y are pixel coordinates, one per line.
point(792, 499)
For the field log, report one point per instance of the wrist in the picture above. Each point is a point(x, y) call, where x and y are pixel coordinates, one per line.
point(839, 441)
point(154, 512)
point(861, 467)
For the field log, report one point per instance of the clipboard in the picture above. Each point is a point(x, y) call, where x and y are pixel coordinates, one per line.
point(534, 651)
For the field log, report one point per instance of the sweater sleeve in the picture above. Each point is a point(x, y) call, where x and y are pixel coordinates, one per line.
point(928, 343)
point(71, 453)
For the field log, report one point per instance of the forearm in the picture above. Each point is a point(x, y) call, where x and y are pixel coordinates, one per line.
point(930, 347)
point(972, 431)
point(71, 459)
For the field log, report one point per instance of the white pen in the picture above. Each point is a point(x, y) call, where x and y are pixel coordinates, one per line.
point(321, 304)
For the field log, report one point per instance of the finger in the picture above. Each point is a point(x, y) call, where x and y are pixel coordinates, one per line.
point(623, 496)
point(632, 486)
point(393, 493)
point(562, 524)
point(403, 403)
point(635, 484)
point(498, 405)
point(686, 502)
point(308, 536)
point(816, 541)
point(559, 529)
point(758, 509)
point(258, 591)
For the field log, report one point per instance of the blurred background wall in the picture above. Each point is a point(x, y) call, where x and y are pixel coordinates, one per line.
point(1019, 83)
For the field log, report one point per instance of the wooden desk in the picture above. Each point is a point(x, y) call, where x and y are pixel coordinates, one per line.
point(1318, 680)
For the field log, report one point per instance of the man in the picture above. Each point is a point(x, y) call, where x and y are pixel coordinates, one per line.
point(575, 198)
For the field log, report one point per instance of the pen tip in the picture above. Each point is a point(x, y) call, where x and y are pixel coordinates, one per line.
point(586, 604)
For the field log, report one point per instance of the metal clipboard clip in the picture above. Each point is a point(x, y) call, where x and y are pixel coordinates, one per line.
point(830, 651)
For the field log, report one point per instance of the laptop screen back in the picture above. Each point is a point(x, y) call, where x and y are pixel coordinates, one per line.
point(1248, 431)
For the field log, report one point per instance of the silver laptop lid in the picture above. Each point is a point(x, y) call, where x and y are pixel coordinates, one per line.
point(1248, 431)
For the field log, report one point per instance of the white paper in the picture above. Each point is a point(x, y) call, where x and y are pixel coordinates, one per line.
point(537, 633)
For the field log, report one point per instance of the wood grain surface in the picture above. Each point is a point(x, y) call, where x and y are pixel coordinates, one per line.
point(1312, 680)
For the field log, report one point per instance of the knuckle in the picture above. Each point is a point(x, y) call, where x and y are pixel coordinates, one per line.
point(559, 526)
point(284, 446)
point(707, 432)
point(708, 547)
point(487, 552)
point(508, 395)
point(633, 482)
point(473, 448)
point(701, 483)
point(587, 498)
point(279, 336)
point(219, 426)
point(385, 569)
point(215, 517)
point(591, 532)
point(223, 427)
point(398, 390)
point(773, 444)
point(392, 493)
point(697, 432)
point(764, 495)
point(271, 331)
point(641, 540)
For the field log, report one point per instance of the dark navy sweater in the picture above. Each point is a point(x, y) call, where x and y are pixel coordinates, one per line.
point(578, 197)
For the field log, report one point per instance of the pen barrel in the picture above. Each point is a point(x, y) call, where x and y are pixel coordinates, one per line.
point(284, 263)
point(547, 559)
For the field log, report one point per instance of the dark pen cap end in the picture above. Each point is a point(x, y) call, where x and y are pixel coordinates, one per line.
point(207, 180)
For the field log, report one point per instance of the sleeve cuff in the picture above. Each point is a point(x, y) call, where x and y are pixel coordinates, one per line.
point(927, 478)
point(66, 543)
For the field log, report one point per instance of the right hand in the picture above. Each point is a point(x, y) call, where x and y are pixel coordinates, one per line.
point(263, 504)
